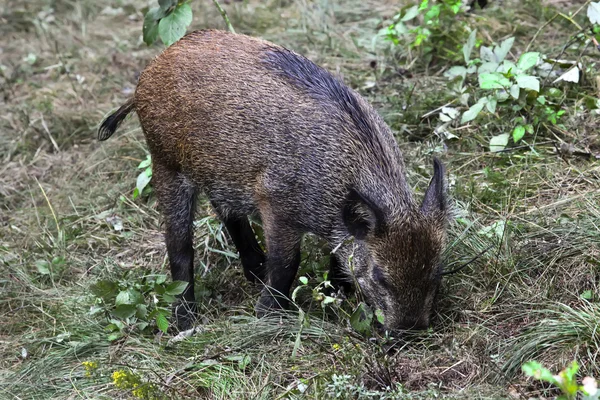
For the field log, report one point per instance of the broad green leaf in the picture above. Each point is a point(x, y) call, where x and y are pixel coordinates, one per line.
point(515, 91)
point(499, 142)
point(361, 319)
point(303, 280)
point(537, 371)
point(135, 297)
point(43, 267)
point(411, 13)
point(143, 180)
point(456, 71)
point(162, 323)
point(491, 104)
point(141, 311)
point(507, 67)
point(176, 288)
point(166, 4)
point(146, 163)
point(487, 67)
point(471, 113)
point(501, 95)
point(587, 294)
point(518, 133)
point(468, 46)
point(528, 60)
point(502, 50)
point(106, 290)
point(150, 26)
point(493, 80)
point(172, 27)
point(572, 75)
point(486, 54)
point(528, 82)
point(593, 13)
point(380, 317)
point(541, 100)
point(123, 298)
point(124, 311)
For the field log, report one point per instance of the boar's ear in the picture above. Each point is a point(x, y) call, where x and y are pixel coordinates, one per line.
point(361, 215)
point(435, 197)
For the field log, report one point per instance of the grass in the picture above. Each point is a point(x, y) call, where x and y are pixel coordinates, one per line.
point(65, 64)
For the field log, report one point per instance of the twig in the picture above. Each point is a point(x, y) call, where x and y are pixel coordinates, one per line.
point(225, 17)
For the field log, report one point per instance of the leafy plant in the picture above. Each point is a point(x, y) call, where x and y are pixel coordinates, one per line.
point(144, 178)
point(428, 27)
point(566, 381)
point(133, 305)
point(168, 21)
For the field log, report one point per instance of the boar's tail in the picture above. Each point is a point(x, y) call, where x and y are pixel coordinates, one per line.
point(110, 124)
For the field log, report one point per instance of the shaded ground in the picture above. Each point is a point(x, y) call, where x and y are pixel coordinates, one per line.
point(66, 64)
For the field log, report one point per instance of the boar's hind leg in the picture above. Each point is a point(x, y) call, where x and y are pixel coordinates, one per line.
point(251, 255)
point(283, 259)
point(176, 197)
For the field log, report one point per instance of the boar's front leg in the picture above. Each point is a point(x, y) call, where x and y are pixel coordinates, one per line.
point(177, 197)
point(242, 235)
point(283, 260)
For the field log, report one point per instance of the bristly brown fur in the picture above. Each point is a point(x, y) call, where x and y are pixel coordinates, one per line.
point(262, 130)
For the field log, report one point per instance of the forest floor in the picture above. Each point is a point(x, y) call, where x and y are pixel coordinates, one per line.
point(68, 219)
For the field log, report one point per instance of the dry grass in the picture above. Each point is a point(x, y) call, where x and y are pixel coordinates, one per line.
point(66, 64)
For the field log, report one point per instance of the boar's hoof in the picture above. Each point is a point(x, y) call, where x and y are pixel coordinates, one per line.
point(269, 303)
point(185, 314)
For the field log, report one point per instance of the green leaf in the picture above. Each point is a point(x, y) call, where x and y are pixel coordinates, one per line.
point(499, 142)
point(122, 298)
point(141, 311)
point(487, 67)
point(146, 163)
point(143, 180)
point(43, 267)
point(471, 113)
point(468, 46)
point(537, 371)
point(515, 91)
point(541, 100)
point(528, 60)
point(411, 13)
point(135, 297)
point(491, 104)
point(361, 319)
point(172, 27)
point(493, 80)
point(380, 317)
point(106, 290)
point(587, 294)
point(303, 280)
point(150, 26)
point(518, 133)
point(162, 323)
point(114, 336)
point(166, 4)
point(456, 71)
point(502, 50)
point(124, 311)
point(593, 13)
point(528, 82)
point(175, 288)
point(486, 54)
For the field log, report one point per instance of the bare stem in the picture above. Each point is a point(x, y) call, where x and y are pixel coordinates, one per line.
point(225, 17)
